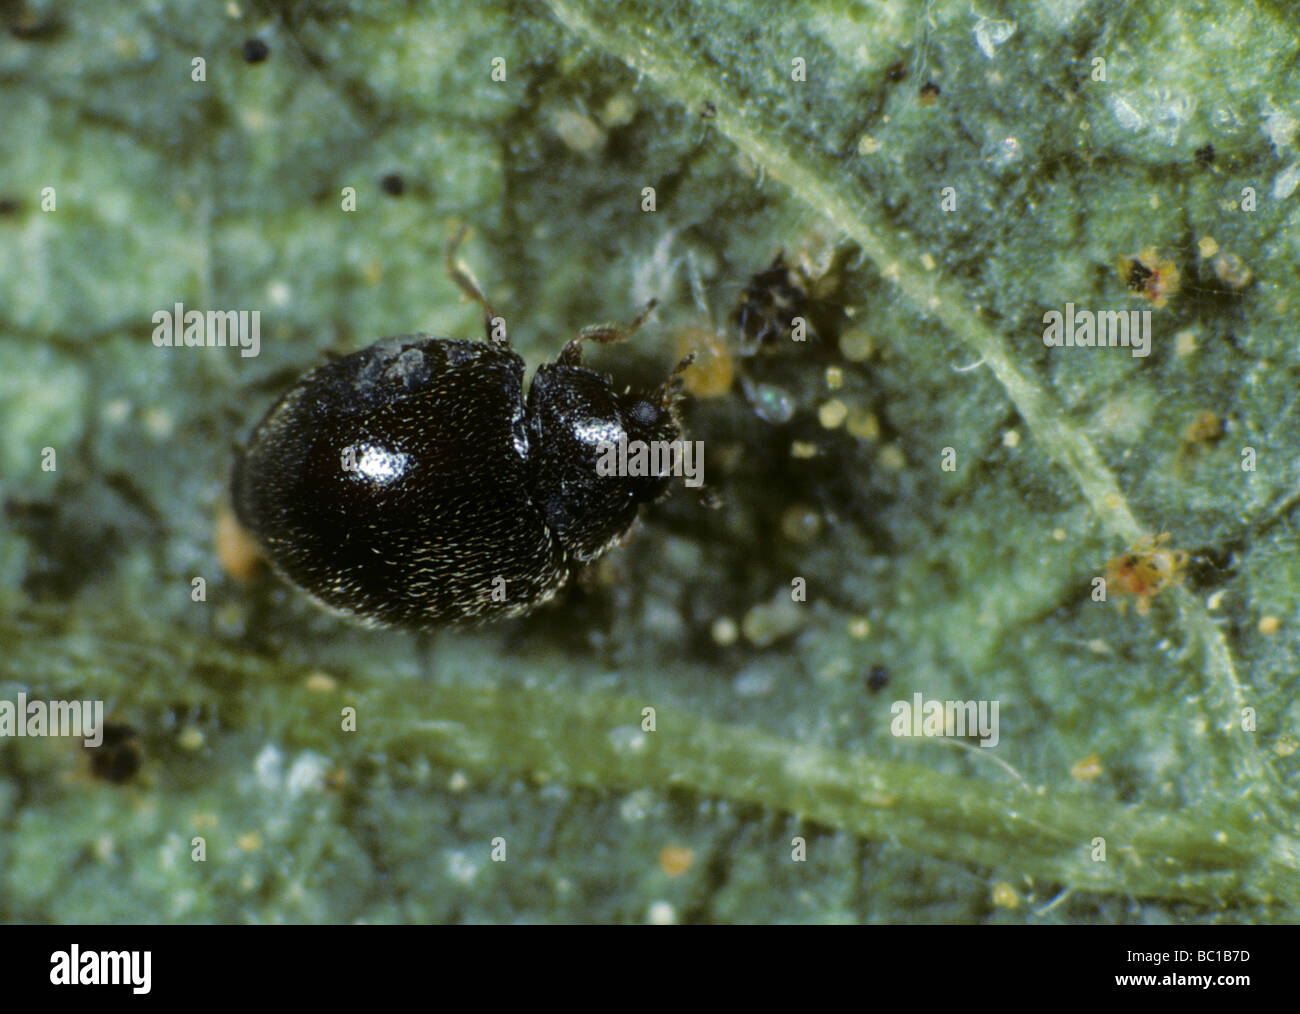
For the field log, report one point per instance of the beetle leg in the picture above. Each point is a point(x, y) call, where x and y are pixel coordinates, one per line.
point(466, 283)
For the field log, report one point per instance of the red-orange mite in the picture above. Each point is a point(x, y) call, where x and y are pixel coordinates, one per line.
point(1145, 570)
point(1150, 275)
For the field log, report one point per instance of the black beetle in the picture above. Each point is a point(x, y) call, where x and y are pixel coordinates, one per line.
point(412, 484)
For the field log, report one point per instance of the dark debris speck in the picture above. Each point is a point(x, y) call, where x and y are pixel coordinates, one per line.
point(255, 51)
point(117, 758)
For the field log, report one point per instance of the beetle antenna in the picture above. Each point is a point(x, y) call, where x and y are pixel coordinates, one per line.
point(672, 387)
point(604, 334)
